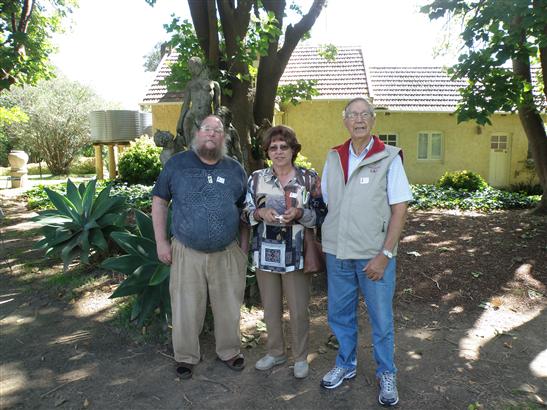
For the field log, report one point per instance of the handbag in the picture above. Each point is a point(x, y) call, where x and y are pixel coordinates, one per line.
point(314, 258)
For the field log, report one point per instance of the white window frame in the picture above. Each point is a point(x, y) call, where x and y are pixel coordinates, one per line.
point(429, 154)
point(388, 136)
point(499, 141)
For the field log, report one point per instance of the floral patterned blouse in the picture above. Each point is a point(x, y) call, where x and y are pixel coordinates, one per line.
point(279, 247)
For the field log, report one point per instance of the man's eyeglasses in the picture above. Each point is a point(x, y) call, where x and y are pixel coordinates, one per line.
point(365, 115)
point(208, 128)
point(282, 147)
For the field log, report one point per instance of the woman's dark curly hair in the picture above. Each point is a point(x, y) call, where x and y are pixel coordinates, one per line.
point(281, 133)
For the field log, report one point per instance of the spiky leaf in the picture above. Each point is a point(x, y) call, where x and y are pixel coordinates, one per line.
point(135, 245)
point(74, 196)
point(126, 264)
point(144, 223)
point(161, 273)
point(87, 199)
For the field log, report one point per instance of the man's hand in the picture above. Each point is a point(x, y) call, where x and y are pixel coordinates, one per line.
point(375, 268)
point(164, 252)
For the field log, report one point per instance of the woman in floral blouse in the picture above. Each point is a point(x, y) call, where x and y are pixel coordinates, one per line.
point(281, 201)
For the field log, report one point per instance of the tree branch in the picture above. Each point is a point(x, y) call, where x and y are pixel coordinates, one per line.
point(293, 34)
point(200, 18)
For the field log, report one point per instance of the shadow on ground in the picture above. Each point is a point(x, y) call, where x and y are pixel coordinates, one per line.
point(462, 337)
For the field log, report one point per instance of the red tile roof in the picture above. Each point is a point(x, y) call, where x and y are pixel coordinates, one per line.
point(422, 89)
point(343, 78)
point(414, 89)
point(158, 93)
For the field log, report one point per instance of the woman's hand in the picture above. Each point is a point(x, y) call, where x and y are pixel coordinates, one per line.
point(292, 214)
point(269, 215)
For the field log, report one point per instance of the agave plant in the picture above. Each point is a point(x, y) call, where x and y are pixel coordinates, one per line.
point(81, 222)
point(147, 277)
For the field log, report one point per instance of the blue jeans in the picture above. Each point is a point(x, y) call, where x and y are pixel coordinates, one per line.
point(345, 278)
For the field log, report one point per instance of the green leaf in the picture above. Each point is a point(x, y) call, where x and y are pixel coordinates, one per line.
point(51, 220)
point(126, 264)
point(144, 223)
point(91, 225)
point(137, 307)
point(74, 196)
point(81, 189)
point(84, 244)
point(106, 204)
point(89, 194)
point(136, 245)
point(64, 206)
point(136, 282)
point(161, 273)
point(96, 238)
point(70, 251)
point(151, 298)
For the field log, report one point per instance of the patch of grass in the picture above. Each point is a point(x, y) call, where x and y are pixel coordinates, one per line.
point(21, 234)
point(71, 280)
point(72, 285)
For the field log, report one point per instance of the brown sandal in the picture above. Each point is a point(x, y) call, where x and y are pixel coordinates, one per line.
point(236, 363)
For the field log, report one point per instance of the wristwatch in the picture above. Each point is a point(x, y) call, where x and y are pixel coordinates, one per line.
point(388, 254)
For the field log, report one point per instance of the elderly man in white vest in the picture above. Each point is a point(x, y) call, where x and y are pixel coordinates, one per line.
point(366, 189)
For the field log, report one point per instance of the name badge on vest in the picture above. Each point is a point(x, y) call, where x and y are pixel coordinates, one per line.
point(210, 179)
point(220, 180)
point(364, 180)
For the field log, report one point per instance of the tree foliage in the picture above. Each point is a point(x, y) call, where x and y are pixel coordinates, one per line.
point(26, 27)
point(58, 123)
point(153, 58)
point(233, 37)
point(501, 40)
point(8, 116)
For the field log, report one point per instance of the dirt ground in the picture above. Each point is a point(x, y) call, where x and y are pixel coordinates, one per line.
point(471, 330)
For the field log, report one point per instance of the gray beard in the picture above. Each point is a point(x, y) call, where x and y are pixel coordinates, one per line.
point(210, 154)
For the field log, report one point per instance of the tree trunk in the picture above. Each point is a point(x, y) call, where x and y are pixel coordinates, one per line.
point(533, 127)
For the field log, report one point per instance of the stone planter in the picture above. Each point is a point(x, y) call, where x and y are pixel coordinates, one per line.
point(18, 162)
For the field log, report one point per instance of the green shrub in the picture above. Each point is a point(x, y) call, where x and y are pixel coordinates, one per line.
point(83, 166)
point(81, 221)
point(467, 180)
point(136, 196)
point(34, 168)
point(488, 199)
point(526, 188)
point(140, 163)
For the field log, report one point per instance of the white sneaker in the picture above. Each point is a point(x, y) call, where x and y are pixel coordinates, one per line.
point(388, 395)
point(267, 362)
point(336, 376)
point(301, 369)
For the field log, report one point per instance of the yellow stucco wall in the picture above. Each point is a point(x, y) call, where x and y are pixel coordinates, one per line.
point(318, 125)
point(165, 117)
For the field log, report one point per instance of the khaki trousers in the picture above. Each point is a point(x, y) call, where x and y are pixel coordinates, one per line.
point(193, 273)
point(296, 288)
